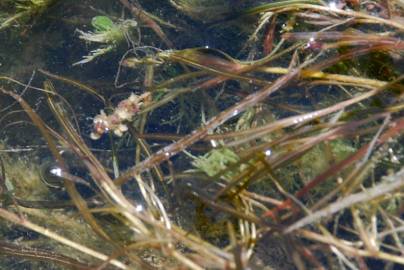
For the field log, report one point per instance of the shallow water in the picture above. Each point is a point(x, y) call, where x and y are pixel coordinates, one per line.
point(219, 44)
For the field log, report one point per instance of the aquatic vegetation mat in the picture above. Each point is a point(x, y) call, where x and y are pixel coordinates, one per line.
point(190, 134)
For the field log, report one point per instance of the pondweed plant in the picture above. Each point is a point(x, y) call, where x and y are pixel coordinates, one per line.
point(109, 34)
point(296, 161)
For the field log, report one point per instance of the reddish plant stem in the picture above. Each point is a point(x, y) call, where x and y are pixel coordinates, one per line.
point(143, 17)
point(355, 53)
point(269, 36)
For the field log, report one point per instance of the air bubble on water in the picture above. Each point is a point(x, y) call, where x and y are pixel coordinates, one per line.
point(268, 152)
point(333, 5)
point(213, 143)
point(139, 208)
point(57, 171)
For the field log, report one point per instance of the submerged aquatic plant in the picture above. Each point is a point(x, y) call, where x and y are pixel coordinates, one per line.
point(31, 4)
point(107, 33)
point(297, 146)
point(201, 9)
point(122, 114)
point(215, 161)
point(24, 11)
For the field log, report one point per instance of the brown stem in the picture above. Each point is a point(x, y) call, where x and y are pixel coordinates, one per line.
point(139, 13)
point(41, 255)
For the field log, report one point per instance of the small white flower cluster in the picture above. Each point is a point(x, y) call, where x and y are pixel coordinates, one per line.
point(116, 122)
